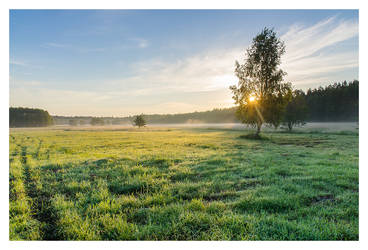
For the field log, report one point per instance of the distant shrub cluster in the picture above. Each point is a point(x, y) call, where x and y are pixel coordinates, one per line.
point(95, 121)
point(28, 117)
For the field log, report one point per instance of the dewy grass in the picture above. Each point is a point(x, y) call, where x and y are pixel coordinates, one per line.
point(182, 185)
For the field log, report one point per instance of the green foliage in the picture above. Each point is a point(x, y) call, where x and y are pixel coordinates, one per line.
point(139, 121)
point(73, 122)
point(261, 79)
point(214, 116)
point(335, 102)
point(296, 110)
point(27, 117)
point(96, 121)
point(194, 184)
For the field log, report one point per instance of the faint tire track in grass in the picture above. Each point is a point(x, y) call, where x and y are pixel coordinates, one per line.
point(22, 225)
point(41, 205)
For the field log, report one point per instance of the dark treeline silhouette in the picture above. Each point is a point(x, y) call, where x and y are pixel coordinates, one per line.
point(28, 117)
point(335, 102)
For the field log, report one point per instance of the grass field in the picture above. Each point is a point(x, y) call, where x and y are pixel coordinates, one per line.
point(182, 184)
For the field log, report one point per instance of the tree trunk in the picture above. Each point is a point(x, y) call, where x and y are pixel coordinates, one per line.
point(290, 126)
point(259, 125)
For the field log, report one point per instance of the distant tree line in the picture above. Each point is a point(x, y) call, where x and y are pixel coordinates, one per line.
point(85, 120)
point(296, 111)
point(96, 121)
point(28, 117)
point(226, 115)
point(335, 102)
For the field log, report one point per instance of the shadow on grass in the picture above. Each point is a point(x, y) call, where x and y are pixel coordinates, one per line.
point(254, 137)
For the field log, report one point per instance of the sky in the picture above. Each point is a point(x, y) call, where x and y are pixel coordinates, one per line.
point(128, 62)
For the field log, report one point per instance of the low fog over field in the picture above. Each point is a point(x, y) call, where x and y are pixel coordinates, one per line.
point(309, 127)
point(320, 126)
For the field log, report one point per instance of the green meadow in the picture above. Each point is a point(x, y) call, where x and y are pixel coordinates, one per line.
point(182, 184)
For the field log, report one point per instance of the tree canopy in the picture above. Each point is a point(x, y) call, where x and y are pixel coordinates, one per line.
point(73, 122)
point(335, 102)
point(95, 121)
point(296, 110)
point(29, 117)
point(261, 94)
point(139, 121)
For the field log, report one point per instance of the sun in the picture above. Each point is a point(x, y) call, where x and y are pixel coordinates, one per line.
point(252, 98)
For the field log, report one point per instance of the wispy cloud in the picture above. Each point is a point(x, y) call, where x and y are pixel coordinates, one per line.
point(18, 63)
point(92, 102)
point(131, 43)
point(73, 48)
point(88, 50)
point(311, 53)
point(55, 45)
point(315, 55)
point(141, 43)
point(25, 64)
point(22, 83)
point(201, 73)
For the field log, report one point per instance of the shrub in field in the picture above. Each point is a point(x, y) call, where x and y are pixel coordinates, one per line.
point(139, 121)
point(296, 110)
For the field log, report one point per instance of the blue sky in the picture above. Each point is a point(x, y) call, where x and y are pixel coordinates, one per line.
point(125, 62)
